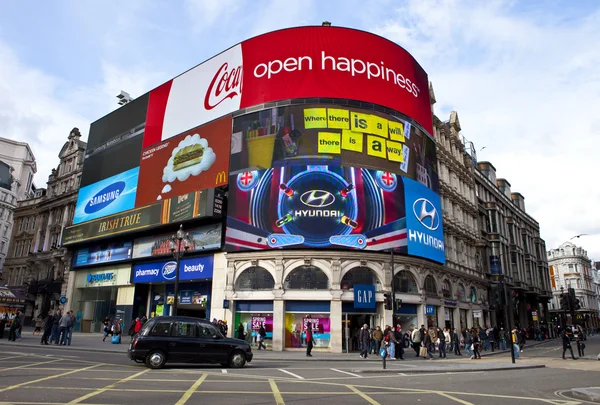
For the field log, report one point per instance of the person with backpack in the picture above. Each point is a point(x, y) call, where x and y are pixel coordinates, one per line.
point(116, 331)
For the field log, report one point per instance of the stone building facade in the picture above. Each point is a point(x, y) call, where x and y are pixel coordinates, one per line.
point(36, 263)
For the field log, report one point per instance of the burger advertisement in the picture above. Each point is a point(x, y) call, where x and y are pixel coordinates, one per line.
point(195, 160)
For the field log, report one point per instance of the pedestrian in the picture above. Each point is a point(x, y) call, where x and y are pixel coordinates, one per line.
point(491, 334)
point(38, 325)
point(399, 342)
point(131, 330)
point(416, 339)
point(55, 328)
point(580, 346)
point(566, 341)
point(476, 345)
point(364, 340)
point(309, 339)
point(240, 331)
point(14, 327)
point(107, 322)
point(468, 338)
point(48, 322)
point(456, 343)
point(502, 336)
point(371, 341)
point(3, 320)
point(70, 331)
point(377, 338)
point(448, 339)
point(262, 334)
point(441, 338)
point(63, 325)
point(483, 338)
point(390, 338)
point(522, 339)
point(514, 342)
point(427, 343)
point(116, 330)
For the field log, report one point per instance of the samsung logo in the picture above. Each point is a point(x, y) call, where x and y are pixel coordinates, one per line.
point(168, 270)
point(104, 197)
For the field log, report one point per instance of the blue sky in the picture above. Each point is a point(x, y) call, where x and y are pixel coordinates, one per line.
point(522, 75)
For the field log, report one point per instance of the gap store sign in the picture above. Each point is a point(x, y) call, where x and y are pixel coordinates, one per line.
point(195, 268)
point(364, 296)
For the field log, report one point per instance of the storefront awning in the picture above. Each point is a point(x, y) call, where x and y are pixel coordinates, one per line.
point(10, 297)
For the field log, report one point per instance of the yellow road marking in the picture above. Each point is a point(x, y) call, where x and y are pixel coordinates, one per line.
point(13, 357)
point(184, 398)
point(30, 364)
point(460, 401)
point(276, 393)
point(12, 387)
point(363, 395)
point(108, 387)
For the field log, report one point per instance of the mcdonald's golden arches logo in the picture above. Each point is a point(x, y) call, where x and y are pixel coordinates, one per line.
point(221, 178)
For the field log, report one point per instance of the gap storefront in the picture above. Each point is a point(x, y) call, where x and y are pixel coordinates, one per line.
point(155, 287)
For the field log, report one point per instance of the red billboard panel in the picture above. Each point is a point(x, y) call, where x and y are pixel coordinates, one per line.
point(305, 62)
point(194, 160)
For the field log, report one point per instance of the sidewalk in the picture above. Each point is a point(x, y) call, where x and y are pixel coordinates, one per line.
point(93, 342)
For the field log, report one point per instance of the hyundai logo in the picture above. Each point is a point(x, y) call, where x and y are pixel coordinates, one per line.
point(317, 198)
point(427, 214)
point(168, 270)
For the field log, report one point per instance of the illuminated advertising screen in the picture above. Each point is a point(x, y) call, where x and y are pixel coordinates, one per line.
point(102, 254)
point(303, 62)
point(333, 207)
point(194, 160)
point(202, 238)
point(321, 134)
point(106, 197)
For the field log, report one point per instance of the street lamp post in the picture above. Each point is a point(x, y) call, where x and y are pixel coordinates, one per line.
point(175, 244)
point(507, 318)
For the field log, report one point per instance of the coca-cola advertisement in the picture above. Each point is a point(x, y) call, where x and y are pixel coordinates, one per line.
point(304, 62)
point(194, 160)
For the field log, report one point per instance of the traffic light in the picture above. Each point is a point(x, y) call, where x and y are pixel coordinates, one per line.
point(398, 303)
point(564, 302)
point(577, 304)
point(388, 301)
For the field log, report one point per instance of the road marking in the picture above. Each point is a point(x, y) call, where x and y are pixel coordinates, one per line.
point(363, 395)
point(29, 365)
point(13, 357)
point(276, 392)
point(224, 371)
point(292, 374)
point(460, 401)
point(184, 398)
point(12, 387)
point(107, 388)
point(346, 372)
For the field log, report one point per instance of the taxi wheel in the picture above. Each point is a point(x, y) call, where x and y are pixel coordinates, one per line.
point(237, 359)
point(156, 359)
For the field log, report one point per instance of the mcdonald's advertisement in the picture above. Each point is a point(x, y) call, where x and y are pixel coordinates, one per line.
point(325, 134)
point(195, 160)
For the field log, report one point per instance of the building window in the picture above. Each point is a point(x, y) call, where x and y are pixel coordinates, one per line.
point(405, 283)
point(255, 278)
point(473, 295)
point(446, 290)
point(20, 224)
point(359, 275)
point(430, 286)
point(307, 278)
point(462, 294)
point(32, 222)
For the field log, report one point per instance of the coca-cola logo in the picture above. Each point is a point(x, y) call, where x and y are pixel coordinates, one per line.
point(227, 83)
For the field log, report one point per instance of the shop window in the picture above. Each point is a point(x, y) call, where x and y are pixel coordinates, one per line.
point(359, 275)
point(447, 290)
point(430, 286)
point(185, 329)
point(462, 293)
point(161, 329)
point(307, 278)
point(255, 278)
point(473, 295)
point(404, 282)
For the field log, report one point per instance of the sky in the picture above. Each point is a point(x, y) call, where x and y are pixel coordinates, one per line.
point(522, 76)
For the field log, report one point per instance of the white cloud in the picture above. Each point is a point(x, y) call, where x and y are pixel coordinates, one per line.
point(525, 85)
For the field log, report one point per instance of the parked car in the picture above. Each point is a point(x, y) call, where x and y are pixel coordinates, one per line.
point(180, 339)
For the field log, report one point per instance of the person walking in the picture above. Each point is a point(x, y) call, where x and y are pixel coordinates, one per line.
point(416, 339)
point(427, 343)
point(502, 337)
point(514, 342)
point(456, 343)
point(38, 325)
point(483, 338)
point(262, 334)
point(441, 338)
point(107, 328)
point(392, 342)
point(14, 327)
point(309, 339)
point(70, 331)
point(399, 342)
point(63, 325)
point(116, 329)
point(55, 328)
point(468, 337)
point(580, 346)
point(364, 340)
point(240, 331)
point(566, 342)
point(377, 338)
point(491, 334)
point(48, 322)
point(476, 345)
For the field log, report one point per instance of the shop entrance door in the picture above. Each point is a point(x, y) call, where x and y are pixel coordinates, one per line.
point(351, 325)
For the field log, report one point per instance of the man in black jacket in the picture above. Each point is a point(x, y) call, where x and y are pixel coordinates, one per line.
point(566, 341)
point(14, 327)
point(49, 321)
point(456, 343)
point(364, 338)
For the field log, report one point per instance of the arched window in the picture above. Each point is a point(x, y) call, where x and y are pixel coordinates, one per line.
point(446, 289)
point(404, 282)
point(358, 275)
point(462, 293)
point(430, 286)
point(307, 278)
point(255, 278)
point(473, 295)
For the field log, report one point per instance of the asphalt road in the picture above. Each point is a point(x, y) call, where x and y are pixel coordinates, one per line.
point(48, 375)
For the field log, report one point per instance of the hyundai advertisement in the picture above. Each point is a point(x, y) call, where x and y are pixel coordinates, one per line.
point(195, 268)
point(106, 197)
